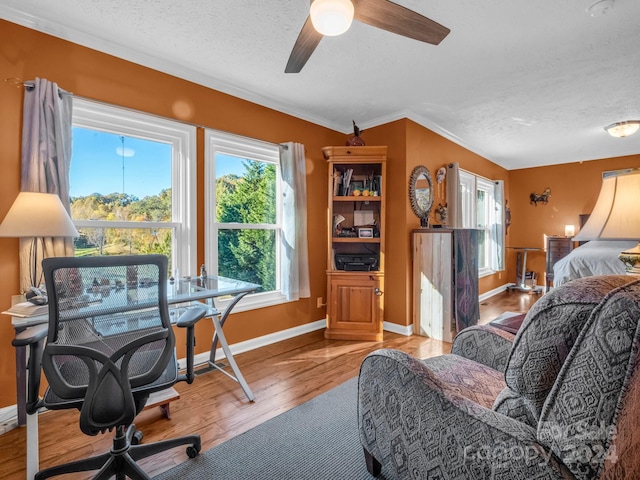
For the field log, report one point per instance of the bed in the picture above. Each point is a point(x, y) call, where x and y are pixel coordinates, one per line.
point(597, 257)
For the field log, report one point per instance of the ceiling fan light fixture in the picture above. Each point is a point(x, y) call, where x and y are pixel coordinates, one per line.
point(331, 17)
point(623, 129)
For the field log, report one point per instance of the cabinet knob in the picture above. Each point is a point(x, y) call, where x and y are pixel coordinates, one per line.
point(377, 291)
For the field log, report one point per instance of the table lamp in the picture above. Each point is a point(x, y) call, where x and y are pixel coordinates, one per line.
point(37, 215)
point(616, 215)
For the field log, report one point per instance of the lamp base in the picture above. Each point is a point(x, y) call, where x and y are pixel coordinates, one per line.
point(631, 260)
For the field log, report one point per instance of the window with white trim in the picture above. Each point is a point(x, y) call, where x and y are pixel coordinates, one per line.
point(243, 211)
point(481, 210)
point(132, 184)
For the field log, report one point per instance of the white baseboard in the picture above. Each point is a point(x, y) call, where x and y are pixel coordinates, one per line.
point(406, 330)
point(252, 344)
point(493, 292)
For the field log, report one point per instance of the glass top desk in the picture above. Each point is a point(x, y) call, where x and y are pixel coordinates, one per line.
point(180, 294)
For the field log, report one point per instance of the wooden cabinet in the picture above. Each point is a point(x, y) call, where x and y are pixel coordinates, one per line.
point(556, 248)
point(445, 281)
point(356, 237)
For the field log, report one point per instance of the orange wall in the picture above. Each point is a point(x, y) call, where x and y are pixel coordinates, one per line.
point(409, 145)
point(27, 54)
point(574, 190)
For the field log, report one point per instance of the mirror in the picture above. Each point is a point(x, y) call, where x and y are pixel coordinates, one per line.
point(421, 194)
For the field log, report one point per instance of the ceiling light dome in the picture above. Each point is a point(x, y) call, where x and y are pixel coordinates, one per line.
point(623, 129)
point(331, 17)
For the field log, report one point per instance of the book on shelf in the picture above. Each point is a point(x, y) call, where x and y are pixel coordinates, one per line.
point(27, 309)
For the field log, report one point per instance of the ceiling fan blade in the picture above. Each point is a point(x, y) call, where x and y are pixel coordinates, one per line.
point(395, 18)
point(306, 43)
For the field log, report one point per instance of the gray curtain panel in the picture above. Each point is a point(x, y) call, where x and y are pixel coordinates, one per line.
point(46, 158)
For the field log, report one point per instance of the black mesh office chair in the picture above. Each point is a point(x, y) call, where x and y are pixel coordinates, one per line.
point(109, 345)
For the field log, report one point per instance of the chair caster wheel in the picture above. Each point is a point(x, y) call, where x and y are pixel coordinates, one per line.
point(192, 452)
point(137, 437)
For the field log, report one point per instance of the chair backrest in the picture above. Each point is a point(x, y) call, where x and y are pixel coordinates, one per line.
point(544, 341)
point(110, 338)
point(579, 420)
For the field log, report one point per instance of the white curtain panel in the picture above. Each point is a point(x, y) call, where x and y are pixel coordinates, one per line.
point(497, 230)
point(454, 197)
point(295, 256)
point(46, 158)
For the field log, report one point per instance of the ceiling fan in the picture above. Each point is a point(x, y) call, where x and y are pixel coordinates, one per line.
point(383, 14)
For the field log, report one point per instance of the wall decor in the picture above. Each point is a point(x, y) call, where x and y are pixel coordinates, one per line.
point(543, 197)
point(421, 193)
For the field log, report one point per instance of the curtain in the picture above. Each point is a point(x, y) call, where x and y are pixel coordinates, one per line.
point(46, 158)
point(497, 227)
point(454, 198)
point(295, 256)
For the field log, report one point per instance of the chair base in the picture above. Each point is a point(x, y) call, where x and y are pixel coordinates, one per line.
point(120, 461)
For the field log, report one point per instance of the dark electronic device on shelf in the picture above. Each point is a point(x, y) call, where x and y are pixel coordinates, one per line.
point(355, 262)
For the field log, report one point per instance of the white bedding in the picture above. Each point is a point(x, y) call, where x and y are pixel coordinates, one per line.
point(597, 257)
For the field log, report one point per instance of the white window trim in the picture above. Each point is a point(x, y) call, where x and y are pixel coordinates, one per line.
point(122, 121)
point(469, 184)
point(243, 147)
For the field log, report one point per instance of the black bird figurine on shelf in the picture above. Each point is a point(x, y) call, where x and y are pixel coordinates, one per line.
point(355, 141)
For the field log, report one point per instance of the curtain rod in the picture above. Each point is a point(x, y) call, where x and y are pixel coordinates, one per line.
point(18, 83)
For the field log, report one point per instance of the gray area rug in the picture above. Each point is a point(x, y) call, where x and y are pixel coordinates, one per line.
point(316, 440)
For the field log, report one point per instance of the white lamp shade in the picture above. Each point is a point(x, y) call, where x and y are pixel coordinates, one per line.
point(331, 17)
point(616, 215)
point(37, 215)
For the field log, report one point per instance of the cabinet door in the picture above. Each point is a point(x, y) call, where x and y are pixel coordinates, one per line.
point(355, 306)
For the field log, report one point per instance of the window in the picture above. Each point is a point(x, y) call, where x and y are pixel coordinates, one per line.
point(482, 209)
point(132, 184)
point(244, 212)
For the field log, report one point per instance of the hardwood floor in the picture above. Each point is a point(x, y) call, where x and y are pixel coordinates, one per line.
point(281, 375)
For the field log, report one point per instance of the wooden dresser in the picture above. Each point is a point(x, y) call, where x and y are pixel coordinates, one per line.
point(556, 248)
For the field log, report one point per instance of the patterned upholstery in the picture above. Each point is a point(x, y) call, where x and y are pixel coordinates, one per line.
point(484, 344)
point(433, 418)
point(549, 331)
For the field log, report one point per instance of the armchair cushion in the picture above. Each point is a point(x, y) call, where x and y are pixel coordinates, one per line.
point(547, 335)
point(484, 344)
point(578, 416)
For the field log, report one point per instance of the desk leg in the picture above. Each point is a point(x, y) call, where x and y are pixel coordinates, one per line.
point(218, 336)
point(33, 458)
point(21, 384)
point(234, 366)
point(523, 279)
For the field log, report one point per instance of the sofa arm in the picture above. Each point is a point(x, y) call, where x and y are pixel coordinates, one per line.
point(484, 344)
point(411, 423)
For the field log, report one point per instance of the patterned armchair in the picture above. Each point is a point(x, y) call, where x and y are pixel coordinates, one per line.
point(559, 400)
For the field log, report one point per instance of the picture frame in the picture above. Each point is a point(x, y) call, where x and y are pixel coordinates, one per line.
point(357, 185)
point(365, 232)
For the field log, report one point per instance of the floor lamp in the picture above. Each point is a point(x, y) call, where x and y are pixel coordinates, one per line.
point(616, 215)
point(37, 215)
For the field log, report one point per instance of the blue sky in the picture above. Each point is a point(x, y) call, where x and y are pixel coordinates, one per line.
point(97, 164)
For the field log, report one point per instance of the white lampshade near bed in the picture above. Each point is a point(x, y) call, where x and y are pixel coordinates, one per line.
point(616, 215)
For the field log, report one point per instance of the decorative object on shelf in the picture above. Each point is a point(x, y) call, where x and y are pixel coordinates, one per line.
point(356, 140)
point(543, 197)
point(441, 213)
point(421, 193)
point(616, 216)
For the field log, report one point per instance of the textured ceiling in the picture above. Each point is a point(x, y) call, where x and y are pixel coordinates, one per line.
point(520, 82)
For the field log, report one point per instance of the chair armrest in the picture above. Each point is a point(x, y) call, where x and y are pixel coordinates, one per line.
point(191, 316)
point(411, 421)
point(33, 338)
point(484, 344)
point(30, 335)
point(188, 320)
